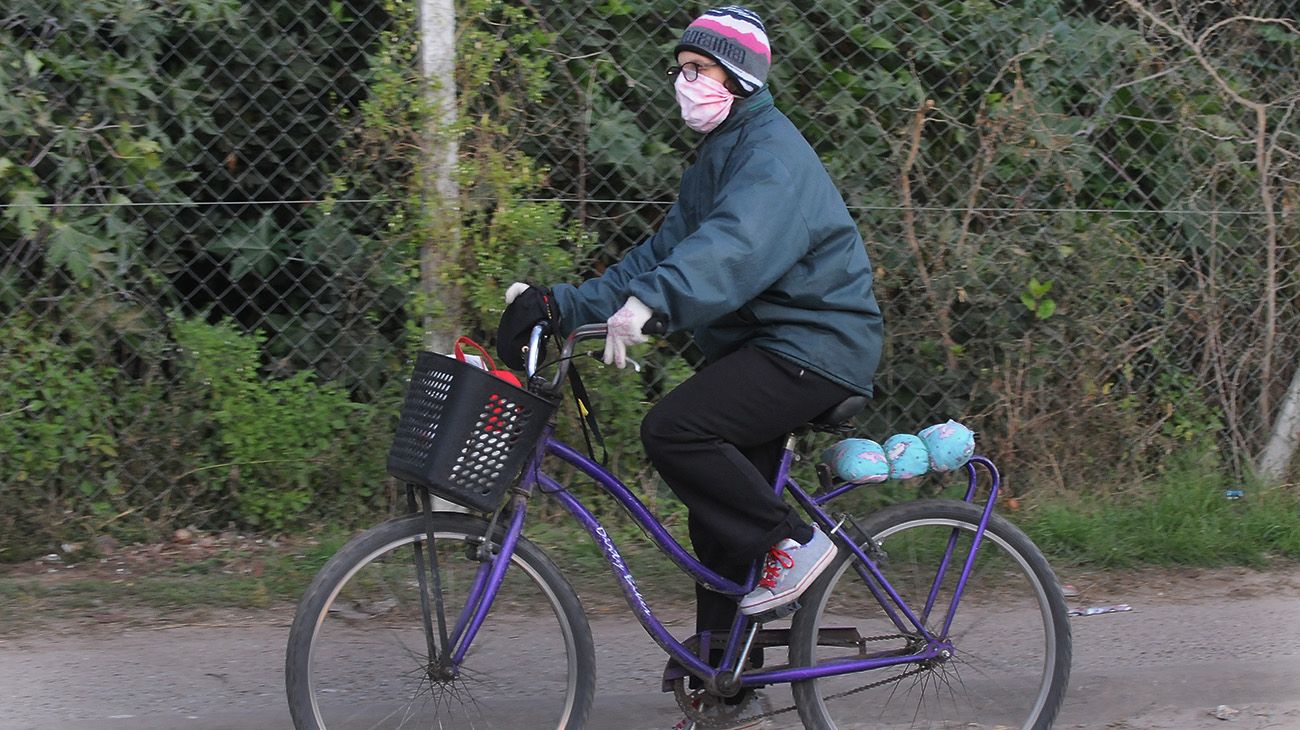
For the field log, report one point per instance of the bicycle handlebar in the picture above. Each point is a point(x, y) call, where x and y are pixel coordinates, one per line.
point(655, 326)
point(585, 332)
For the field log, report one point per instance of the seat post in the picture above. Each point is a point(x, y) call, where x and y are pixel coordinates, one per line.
point(787, 459)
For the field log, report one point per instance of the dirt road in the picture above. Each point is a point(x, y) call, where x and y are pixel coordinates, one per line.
point(1195, 643)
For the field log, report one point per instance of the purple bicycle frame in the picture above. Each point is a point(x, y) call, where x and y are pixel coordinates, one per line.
point(491, 573)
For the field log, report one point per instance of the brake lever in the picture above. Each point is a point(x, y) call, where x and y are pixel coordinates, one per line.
point(598, 357)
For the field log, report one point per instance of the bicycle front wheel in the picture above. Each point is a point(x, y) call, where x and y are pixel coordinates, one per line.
point(359, 655)
point(1010, 632)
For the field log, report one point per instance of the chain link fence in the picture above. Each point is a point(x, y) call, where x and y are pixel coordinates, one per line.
point(215, 229)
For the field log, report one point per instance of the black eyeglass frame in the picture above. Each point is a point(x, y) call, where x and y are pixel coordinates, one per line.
point(692, 73)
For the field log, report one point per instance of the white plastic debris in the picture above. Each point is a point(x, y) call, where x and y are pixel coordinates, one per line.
point(1094, 610)
point(1223, 712)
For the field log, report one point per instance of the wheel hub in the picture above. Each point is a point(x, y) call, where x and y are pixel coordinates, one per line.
point(439, 672)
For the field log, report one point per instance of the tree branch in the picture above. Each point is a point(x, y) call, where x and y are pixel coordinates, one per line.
point(1263, 168)
point(914, 242)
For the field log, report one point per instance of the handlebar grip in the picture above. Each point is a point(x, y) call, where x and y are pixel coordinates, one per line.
point(654, 326)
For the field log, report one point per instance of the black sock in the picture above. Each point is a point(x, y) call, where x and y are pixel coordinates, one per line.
point(802, 534)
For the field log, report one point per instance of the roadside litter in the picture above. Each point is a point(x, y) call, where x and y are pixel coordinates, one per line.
point(1095, 610)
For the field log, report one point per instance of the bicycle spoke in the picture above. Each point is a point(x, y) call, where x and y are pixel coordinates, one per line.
point(353, 668)
point(1009, 641)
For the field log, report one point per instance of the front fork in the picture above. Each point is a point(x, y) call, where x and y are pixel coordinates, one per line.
point(432, 608)
point(447, 648)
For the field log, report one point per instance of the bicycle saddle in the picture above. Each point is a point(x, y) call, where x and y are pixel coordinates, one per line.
point(837, 415)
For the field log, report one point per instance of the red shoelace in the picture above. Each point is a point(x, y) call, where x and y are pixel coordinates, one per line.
point(777, 559)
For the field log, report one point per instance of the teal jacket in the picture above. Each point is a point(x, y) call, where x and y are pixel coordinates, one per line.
point(759, 250)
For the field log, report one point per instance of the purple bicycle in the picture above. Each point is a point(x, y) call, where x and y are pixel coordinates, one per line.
point(936, 613)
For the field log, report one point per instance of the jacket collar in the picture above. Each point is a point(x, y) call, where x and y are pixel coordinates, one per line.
point(746, 108)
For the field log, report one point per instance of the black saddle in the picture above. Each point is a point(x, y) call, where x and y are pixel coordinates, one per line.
point(836, 418)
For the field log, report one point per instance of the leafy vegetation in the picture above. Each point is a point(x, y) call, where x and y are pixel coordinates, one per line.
point(60, 438)
point(1045, 189)
point(1184, 518)
point(275, 445)
point(216, 226)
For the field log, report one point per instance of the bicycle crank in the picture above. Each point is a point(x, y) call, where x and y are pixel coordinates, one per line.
point(709, 711)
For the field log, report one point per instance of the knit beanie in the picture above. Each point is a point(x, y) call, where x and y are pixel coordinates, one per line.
point(736, 38)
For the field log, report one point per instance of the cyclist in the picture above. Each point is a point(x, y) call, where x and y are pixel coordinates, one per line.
point(761, 261)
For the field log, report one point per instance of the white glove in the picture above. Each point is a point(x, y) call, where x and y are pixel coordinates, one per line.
point(515, 290)
point(624, 330)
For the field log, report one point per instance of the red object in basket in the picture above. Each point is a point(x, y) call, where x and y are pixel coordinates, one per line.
point(485, 360)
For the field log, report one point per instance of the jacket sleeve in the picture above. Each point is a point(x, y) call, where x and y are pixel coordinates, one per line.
point(596, 299)
point(754, 233)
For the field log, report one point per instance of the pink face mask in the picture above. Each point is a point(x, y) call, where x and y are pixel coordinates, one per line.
point(705, 102)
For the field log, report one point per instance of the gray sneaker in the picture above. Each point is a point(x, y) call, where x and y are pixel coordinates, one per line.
point(790, 569)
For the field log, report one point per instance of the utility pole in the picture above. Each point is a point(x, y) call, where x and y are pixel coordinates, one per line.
point(441, 193)
point(438, 65)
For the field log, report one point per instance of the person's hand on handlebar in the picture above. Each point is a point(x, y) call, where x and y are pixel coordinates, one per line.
point(625, 329)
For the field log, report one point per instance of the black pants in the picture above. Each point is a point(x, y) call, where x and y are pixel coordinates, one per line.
point(717, 441)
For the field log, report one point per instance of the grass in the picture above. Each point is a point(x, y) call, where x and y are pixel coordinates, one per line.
point(1184, 519)
point(1181, 520)
point(220, 579)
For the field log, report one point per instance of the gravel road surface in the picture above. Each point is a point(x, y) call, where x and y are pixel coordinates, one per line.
point(1205, 649)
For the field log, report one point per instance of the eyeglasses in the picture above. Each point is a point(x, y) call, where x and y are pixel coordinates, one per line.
point(689, 70)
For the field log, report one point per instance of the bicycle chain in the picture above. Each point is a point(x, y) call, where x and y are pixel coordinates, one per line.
point(683, 700)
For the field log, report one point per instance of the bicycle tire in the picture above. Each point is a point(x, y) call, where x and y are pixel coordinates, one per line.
point(357, 655)
point(1011, 634)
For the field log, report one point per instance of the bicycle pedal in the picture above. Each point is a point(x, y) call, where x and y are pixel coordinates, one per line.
point(777, 613)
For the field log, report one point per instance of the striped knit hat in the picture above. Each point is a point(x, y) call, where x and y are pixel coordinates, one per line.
point(735, 36)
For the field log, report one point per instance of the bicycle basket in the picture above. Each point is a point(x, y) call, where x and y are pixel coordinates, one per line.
point(464, 434)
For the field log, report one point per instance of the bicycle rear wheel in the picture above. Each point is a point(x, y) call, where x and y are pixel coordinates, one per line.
point(358, 654)
point(1010, 631)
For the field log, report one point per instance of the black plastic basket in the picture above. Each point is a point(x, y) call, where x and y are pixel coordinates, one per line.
point(464, 434)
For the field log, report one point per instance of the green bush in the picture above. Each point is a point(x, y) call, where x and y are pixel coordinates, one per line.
point(57, 416)
point(277, 444)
